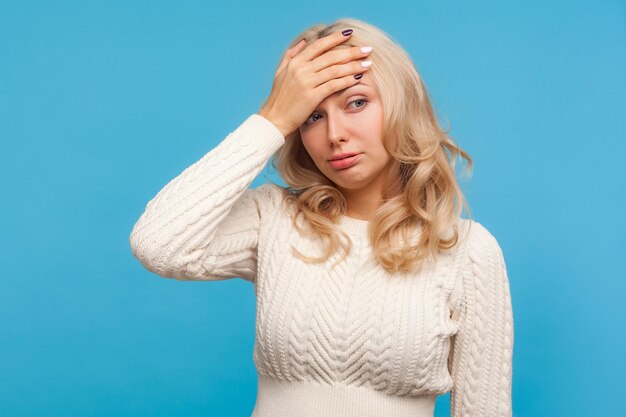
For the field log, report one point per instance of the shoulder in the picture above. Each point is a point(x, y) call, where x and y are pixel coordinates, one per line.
point(268, 196)
point(270, 188)
point(269, 191)
point(482, 249)
point(483, 269)
point(476, 235)
point(483, 264)
point(258, 205)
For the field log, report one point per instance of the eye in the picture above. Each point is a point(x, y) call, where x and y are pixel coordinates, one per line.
point(307, 123)
point(359, 99)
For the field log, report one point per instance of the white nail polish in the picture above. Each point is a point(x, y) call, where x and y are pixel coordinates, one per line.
point(366, 64)
point(366, 49)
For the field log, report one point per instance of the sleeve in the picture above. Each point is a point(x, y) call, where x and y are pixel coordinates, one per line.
point(204, 224)
point(481, 351)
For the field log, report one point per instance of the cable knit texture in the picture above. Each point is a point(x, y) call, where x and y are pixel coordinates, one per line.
point(353, 341)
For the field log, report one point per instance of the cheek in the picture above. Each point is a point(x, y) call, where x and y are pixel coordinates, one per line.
point(306, 146)
point(311, 148)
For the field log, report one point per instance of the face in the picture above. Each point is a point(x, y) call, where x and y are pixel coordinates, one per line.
point(349, 122)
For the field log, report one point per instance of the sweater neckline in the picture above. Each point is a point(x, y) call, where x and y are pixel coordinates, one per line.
point(354, 226)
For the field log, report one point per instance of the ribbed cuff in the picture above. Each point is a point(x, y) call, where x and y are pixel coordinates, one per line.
point(258, 128)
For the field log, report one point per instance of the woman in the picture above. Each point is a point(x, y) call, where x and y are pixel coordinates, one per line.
point(373, 295)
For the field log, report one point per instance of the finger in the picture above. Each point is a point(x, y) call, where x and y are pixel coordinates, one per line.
point(321, 45)
point(290, 53)
point(342, 55)
point(337, 84)
point(340, 72)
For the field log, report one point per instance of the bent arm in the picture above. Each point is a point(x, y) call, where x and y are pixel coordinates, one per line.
point(204, 224)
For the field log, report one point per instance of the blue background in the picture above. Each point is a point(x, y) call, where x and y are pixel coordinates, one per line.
point(102, 103)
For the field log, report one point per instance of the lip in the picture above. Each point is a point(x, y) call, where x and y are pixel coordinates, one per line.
point(346, 162)
point(342, 156)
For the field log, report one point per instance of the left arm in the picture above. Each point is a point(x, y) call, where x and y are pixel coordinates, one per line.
point(481, 352)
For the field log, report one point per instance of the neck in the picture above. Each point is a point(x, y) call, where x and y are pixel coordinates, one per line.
point(362, 203)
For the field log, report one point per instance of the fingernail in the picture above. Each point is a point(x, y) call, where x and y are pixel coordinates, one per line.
point(358, 76)
point(346, 32)
point(366, 64)
point(366, 49)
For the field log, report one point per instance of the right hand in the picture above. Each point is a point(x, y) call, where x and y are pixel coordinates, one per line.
point(306, 77)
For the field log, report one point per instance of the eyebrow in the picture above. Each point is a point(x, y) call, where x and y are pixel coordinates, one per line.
point(345, 90)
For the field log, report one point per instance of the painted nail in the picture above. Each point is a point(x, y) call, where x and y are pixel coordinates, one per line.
point(366, 64)
point(366, 49)
point(346, 32)
point(358, 76)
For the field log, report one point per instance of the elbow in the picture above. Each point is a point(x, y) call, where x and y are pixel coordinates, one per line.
point(157, 257)
point(147, 251)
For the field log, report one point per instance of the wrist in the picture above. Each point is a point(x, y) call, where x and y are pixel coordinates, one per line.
point(275, 121)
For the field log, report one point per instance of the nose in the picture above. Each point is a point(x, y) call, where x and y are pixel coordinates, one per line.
point(336, 128)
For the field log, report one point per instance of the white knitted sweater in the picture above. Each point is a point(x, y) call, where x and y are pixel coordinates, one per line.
point(353, 341)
